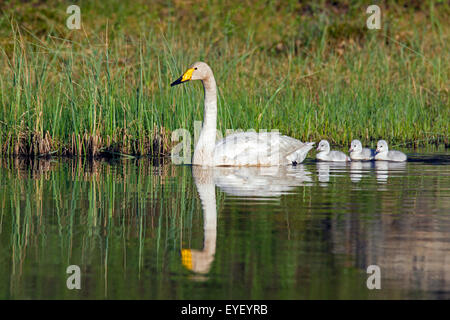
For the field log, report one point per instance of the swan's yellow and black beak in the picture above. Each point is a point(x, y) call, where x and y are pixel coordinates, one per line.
point(185, 77)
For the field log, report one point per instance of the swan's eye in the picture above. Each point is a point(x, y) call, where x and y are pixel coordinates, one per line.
point(195, 68)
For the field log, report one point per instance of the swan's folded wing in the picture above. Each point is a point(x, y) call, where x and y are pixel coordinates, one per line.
point(255, 149)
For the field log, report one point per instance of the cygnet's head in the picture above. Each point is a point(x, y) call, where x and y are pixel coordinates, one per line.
point(355, 146)
point(382, 146)
point(197, 71)
point(323, 146)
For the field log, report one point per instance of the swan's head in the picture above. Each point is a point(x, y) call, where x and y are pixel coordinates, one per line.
point(323, 146)
point(355, 146)
point(198, 261)
point(197, 71)
point(382, 146)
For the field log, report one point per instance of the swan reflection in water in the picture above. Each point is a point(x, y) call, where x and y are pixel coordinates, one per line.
point(382, 169)
point(254, 182)
point(323, 170)
point(358, 169)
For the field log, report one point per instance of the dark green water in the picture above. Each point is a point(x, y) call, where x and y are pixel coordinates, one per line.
point(139, 230)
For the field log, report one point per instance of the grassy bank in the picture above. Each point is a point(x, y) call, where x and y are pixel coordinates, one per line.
point(312, 71)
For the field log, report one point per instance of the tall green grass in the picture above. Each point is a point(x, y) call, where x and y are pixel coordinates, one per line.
point(312, 71)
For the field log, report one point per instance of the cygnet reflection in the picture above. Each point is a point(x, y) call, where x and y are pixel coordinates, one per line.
point(383, 168)
point(358, 169)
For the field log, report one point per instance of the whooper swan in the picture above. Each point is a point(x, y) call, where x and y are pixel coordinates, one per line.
point(239, 149)
point(383, 153)
point(357, 152)
point(326, 155)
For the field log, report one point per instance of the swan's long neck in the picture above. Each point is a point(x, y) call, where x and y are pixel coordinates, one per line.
point(207, 192)
point(204, 150)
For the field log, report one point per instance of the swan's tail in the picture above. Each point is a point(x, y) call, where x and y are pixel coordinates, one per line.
point(300, 154)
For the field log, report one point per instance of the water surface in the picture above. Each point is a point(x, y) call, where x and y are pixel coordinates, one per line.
point(140, 229)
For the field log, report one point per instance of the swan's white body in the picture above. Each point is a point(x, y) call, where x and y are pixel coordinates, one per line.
point(357, 152)
point(258, 149)
point(383, 153)
point(326, 155)
point(239, 149)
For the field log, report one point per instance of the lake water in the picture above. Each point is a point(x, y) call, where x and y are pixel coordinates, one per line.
point(140, 229)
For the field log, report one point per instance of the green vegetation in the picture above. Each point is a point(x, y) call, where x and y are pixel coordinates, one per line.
point(310, 69)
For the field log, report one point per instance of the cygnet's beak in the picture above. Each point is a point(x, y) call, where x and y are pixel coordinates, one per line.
point(318, 148)
point(185, 77)
point(377, 150)
point(350, 150)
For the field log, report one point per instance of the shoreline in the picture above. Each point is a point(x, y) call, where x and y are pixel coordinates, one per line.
point(108, 153)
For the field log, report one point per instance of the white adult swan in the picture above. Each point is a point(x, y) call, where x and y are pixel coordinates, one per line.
point(357, 152)
point(239, 149)
point(383, 153)
point(327, 155)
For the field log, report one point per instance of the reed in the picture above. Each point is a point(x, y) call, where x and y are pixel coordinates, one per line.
point(312, 72)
